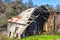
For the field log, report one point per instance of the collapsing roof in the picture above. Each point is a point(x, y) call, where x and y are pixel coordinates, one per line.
point(23, 17)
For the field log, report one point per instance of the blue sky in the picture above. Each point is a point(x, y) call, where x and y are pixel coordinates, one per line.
point(42, 2)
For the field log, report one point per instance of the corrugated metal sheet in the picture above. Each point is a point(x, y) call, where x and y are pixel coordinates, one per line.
point(23, 17)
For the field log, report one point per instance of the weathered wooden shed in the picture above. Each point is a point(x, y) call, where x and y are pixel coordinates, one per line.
point(29, 22)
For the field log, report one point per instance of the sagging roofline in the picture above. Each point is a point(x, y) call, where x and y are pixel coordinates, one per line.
point(19, 15)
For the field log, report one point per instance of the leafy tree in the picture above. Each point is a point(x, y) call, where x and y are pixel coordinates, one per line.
point(3, 19)
point(10, 10)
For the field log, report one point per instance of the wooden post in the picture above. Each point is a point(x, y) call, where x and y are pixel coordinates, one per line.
point(54, 21)
point(46, 27)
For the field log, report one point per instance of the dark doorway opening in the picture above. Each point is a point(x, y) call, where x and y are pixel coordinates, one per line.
point(9, 34)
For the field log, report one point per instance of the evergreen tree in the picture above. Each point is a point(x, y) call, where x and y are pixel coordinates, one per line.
point(0, 0)
point(7, 1)
point(30, 3)
point(19, 1)
point(58, 7)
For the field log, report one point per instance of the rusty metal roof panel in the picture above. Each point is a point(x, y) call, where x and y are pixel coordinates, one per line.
point(23, 17)
point(14, 19)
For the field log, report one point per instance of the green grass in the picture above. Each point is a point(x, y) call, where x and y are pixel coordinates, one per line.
point(43, 37)
point(38, 37)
